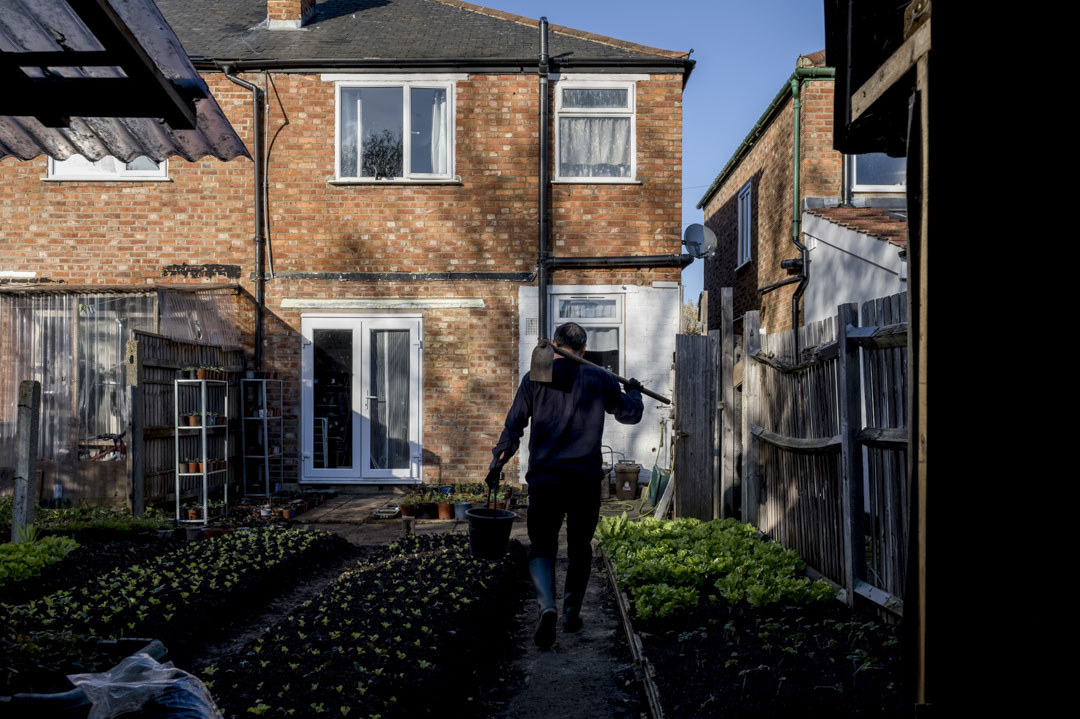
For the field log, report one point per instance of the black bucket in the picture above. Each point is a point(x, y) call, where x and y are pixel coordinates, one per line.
point(489, 531)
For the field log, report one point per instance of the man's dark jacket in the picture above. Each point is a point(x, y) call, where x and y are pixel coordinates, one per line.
point(567, 420)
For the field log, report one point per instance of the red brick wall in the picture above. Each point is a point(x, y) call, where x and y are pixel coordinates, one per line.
point(129, 232)
point(769, 166)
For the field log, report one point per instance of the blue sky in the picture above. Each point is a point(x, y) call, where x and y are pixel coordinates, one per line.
point(744, 50)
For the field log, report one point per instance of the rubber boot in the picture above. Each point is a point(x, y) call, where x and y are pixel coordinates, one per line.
point(572, 612)
point(542, 572)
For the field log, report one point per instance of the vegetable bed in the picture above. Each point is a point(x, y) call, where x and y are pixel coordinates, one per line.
point(729, 620)
point(413, 631)
point(182, 597)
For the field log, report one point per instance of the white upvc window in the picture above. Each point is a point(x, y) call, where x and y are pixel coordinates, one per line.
point(877, 172)
point(108, 169)
point(601, 316)
point(746, 216)
point(595, 131)
point(400, 130)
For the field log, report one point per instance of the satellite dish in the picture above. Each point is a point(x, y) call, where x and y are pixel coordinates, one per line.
point(700, 241)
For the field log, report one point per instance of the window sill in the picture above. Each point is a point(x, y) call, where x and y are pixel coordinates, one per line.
point(456, 180)
point(596, 181)
point(98, 178)
point(744, 264)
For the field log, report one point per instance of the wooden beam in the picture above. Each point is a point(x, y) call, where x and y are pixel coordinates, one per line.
point(751, 410)
point(884, 437)
point(851, 465)
point(880, 597)
point(899, 64)
point(814, 356)
point(814, 445)
point(885, 337)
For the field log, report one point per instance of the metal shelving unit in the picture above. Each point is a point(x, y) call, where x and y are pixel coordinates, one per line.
point(203, 397)
point(263, 435)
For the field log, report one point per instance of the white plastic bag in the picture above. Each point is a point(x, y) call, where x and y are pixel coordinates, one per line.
point(141, 684)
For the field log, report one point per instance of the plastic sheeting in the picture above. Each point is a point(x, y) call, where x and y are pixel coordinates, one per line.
point(73, 343)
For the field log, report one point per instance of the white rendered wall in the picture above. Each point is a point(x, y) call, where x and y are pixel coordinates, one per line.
point(847, 266)
point(651, 321)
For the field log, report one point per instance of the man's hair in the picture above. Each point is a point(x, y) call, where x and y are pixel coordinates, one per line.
point(570, 335)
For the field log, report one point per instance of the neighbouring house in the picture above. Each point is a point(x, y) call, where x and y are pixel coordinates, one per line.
point(849, 211)
point(384, 258)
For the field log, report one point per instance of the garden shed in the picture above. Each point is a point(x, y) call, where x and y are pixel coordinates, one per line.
point(72, 340)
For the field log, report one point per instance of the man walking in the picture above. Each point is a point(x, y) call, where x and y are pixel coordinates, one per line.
point(564, 469)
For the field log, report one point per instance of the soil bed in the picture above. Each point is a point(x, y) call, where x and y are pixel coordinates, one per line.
point(412, 630)
point(94, 556)
point(813, 660)
point(195, 593)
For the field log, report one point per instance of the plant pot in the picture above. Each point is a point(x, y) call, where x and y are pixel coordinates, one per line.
point(460, 508)
point(446, 510)
point(193, 514)
point(407, 510)
point(200, 374)
point(427, 510)
point(264, 511)
point(193, 421)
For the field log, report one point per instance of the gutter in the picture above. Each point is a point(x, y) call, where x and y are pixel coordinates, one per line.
point(659, 65)
point(260, 207)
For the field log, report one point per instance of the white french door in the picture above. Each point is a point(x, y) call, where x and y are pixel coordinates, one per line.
point(360, 396)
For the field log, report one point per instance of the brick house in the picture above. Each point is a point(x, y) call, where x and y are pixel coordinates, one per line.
point(850, 215)
point(399, 214)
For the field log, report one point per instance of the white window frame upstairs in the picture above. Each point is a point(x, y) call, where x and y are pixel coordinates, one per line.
point(746, 219)
point(853, 179)
point(629, 111)
point(74, 170)
point(406, 85)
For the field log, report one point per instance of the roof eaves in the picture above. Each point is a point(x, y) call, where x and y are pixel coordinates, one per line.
point(563, 30)
point(759, 128)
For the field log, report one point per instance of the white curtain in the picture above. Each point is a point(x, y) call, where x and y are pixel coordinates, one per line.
point(594, 147)
point(602, 339)
point(438, 133)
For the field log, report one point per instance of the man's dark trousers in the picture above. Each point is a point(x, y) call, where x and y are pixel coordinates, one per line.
point(577, 497)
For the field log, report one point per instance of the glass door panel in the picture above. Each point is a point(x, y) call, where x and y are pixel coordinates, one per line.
point(333, 401)
point(389, 401)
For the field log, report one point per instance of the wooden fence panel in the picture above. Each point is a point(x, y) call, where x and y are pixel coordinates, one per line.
point(160, 358)
point(695, 411)
point(885, 405)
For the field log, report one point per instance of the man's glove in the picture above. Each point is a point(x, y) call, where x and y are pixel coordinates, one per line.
point(633, 386)
point(494, 475)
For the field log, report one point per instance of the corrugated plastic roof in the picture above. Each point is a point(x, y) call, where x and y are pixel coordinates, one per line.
point(52, 26)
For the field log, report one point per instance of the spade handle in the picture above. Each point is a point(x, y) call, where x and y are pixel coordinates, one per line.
point(581, 360)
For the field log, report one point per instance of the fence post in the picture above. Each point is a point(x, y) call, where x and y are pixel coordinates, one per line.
point(136, 475)
point(26, 456)
point(716, 394)
point(726, 381)
point(851, 469)
point(751, 396)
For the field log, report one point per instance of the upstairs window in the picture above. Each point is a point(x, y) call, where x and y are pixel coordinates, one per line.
point(107, 168)
point(595, 132)
point(395, 131)
point(877, 172)
point(745, 219)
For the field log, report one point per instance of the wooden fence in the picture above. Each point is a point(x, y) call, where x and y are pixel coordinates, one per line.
point(820, 438)
point(152, 364)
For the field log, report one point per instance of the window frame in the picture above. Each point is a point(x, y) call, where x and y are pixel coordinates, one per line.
point(619, 321)
point(406, 85)
point(159, 175)
point(631, 111)
point(744, 236)
point(854, 186)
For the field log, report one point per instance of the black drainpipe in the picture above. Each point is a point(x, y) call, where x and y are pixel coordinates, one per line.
point(260, 209)
point(543, 200)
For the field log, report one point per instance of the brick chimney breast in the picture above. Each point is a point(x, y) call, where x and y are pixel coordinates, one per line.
point(288, 14)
